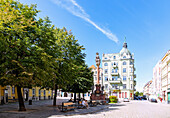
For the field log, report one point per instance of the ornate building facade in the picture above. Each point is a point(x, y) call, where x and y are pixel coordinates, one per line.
point(118, 74)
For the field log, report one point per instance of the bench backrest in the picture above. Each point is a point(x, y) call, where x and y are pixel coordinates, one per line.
point(67, 103)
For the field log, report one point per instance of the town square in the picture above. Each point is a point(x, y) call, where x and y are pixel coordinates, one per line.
point(84, 59)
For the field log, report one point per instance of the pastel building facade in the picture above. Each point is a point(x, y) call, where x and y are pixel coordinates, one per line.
point(9, 94)
point(165, 76)
point(157, 80)
point(118, 74)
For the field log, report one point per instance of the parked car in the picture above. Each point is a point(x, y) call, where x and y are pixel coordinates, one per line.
point(126, 100)
point(153, 100)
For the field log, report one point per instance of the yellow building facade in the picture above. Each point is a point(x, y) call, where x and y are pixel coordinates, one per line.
point(9, 94)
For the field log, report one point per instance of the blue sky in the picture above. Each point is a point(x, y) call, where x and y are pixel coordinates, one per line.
point(101, 25)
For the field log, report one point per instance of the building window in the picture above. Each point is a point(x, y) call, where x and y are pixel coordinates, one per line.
point(131, 69)
point(99, 78)
point(124, 63)
point(116, 70)
point(33, 91)
point(106, 78)
point(125, 94)
point(131, 77)
point(106, 86)
point(112, 70)
point(124, 57)
point(116, 86)
point(13, 90)
point(95, 72)
point(131, 86)
point(105, 58)
point(114, 63)
point(124, 78)
point(95, 78)
point(119, 94)
point(105, 71)
point(113, 86)
point(116, 77)
point(39, 91)
point(112, 78)
point(114, 57)
point(124, 70)
point(122, 94)
point(105, 64)
point(124, 86)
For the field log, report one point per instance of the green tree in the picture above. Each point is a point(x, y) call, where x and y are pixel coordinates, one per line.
point(137, 93)
point(23, 62)
point(141, 93)
point(83, 81)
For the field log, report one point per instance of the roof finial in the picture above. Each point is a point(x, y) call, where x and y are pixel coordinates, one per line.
point(125, 44)
point(125, 39)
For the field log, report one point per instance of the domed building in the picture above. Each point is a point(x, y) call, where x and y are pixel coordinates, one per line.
point(118, 74)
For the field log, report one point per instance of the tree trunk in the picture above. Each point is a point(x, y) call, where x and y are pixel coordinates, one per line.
point(55, 95)
point(20, 99)
point(75, 97)
point(83, 95)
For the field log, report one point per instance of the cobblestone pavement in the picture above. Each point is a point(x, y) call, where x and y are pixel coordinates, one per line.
point(132, 109)
point(43, 109)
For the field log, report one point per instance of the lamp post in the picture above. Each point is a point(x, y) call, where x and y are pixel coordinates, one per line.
point(97, 64)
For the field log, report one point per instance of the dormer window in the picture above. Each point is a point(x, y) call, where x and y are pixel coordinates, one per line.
point(131, 63)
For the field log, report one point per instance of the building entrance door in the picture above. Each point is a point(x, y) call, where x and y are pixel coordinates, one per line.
point(169, 98)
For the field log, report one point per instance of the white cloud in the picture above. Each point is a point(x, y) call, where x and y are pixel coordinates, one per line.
point(77, 10)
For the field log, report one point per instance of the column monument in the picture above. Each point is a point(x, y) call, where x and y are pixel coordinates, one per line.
point(98, 93)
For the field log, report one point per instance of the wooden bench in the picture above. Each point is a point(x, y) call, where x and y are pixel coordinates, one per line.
point(80, 106)
point(93, 103)
point(67, 106)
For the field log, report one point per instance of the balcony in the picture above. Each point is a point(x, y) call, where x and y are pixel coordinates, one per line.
point(115, 66)
point(118, 81)
point(134, 76)
point(115, 74)
point(134, 82)
point(115, 90)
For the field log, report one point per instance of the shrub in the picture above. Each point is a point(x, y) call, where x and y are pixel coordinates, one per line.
point(113, 99)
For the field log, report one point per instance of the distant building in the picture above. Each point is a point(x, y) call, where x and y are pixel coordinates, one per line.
point(165, 76)
point(147, 89)
point(118, 74)
point(157, 80)
point(94, 70)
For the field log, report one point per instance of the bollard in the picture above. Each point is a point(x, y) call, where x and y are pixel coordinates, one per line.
point(30, 102)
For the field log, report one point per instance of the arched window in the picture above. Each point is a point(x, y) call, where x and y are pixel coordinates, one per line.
point(124, 63)
point(106, 64)
point(114, 57)
point(124, 57)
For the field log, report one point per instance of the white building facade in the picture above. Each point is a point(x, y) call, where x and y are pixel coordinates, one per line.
point(157, 92)
point(118, 74)
point(165, 76)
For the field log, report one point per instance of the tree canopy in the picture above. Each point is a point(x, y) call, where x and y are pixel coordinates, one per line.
point(36, 53)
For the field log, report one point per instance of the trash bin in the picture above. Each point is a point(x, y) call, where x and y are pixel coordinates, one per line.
point(30, 102)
